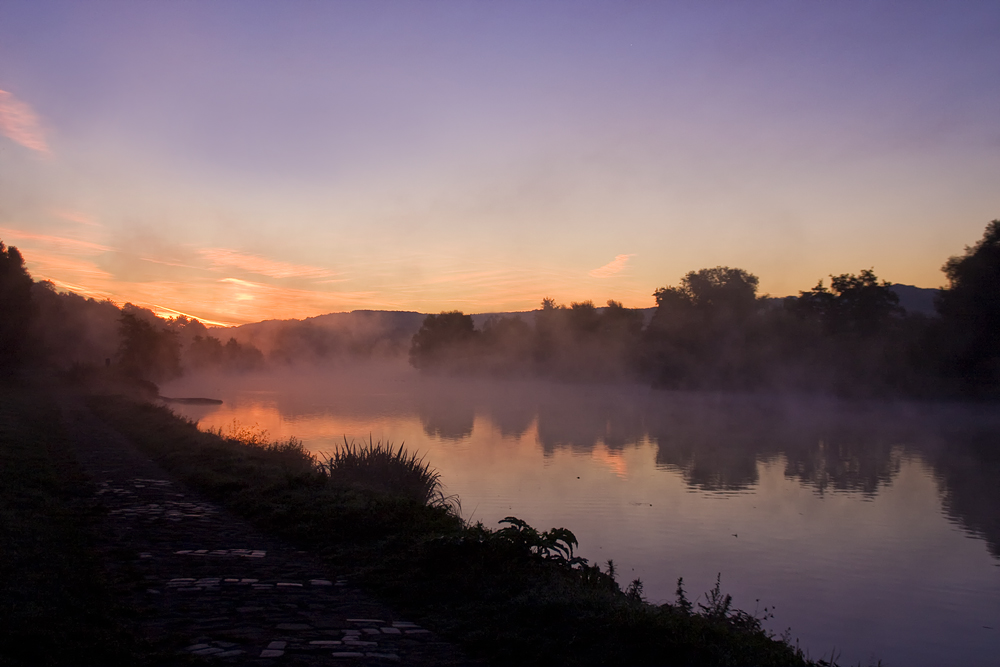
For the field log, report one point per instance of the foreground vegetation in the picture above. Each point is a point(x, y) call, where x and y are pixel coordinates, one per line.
point(513, 595)
point(55, 604)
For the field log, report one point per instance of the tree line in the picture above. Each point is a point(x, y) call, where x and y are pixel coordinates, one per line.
point(40, 327)
point(714, 331)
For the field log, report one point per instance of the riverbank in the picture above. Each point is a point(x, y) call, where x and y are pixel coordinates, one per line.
point(503, 600)
point(56, 601)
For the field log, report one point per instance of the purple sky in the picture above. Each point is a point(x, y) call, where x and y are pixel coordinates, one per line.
point(245, 160)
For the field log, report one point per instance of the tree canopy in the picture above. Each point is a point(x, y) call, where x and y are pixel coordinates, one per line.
point(16, 306)
point(970, 309)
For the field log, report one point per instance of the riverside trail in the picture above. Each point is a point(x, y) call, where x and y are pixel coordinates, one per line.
point(206, 587)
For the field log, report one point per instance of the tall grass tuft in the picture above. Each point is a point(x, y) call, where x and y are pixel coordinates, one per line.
point(381, 467)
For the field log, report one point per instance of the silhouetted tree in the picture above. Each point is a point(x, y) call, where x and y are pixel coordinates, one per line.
point(205, 351)
point(243, 357)
point(445, 338)
point(858, 304)
point(16, 307)
point(507, 345)
point(698, 334)
point(970, 311)
point(619, 322)
point(583, 319)
point(147, 352)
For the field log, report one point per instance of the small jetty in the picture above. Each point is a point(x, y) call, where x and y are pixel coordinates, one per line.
point(192, 401)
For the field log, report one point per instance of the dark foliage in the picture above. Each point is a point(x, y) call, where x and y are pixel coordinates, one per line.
point(147, 351)
point(209, 352)
point(970, 313)
point(448, 338)
point(16, 307)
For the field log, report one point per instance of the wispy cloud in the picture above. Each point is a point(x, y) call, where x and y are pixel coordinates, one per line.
point(47, 265)
point(222, 257)
point(60, 242)
point(75, 216)
point(18, 122)
point(613, 267)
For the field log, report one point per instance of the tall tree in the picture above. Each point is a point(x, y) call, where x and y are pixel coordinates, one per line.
point(16, 307)
point(720, 293)
point(970, 310)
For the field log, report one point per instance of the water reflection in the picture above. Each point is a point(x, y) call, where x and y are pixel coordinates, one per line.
point(716, 442)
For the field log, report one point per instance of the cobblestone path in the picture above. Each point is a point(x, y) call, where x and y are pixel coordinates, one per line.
point(211, 588)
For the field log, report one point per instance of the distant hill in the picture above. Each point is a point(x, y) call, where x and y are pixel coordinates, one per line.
point(359, 333)
point(916, 299)
point(388, 333)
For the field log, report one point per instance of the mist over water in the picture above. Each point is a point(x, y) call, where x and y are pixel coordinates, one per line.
point(869, 527)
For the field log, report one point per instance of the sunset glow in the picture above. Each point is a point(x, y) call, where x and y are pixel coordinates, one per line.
point(239, 162)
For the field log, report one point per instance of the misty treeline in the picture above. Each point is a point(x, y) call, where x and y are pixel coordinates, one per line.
point(42, 327)
point(714, 331)
point(65, 331)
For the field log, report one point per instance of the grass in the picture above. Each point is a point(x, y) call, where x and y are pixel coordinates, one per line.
point(55, 604)
point(513, 595)
point(380, 467)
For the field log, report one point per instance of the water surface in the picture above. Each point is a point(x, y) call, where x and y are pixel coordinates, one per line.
point(869, 528)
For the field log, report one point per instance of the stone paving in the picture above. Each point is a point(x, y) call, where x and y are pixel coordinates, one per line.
point(211, 588)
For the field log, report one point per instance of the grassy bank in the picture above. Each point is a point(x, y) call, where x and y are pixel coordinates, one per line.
point(55, 604)
point(511, 595)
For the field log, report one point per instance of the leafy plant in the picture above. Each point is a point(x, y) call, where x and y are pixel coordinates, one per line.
point(556, 544)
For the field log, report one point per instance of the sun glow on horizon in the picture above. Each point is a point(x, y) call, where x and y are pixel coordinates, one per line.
point(584, 167)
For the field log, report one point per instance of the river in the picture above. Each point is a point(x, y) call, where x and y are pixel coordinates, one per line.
point(871, 528)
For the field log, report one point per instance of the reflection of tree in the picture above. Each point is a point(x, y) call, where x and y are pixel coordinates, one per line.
point(967, 465)
point(449, 416)
point(512, 417)
point(579, 420)
point(844, 466)
point(716, 441)
point(708, 465)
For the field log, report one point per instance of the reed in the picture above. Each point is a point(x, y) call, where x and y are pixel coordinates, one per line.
point(382, 467)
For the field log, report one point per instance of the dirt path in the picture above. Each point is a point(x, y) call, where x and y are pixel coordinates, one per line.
point(208, 586)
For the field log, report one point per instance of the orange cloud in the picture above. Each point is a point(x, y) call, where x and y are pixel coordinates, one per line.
point(613, 267)
point(221, 257)
point(19, 123)
point(60, 242)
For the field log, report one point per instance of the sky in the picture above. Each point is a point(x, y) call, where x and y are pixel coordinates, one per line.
point(239, 161)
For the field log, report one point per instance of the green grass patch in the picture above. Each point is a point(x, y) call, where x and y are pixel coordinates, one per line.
point(55, 604)
point(513, 595)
